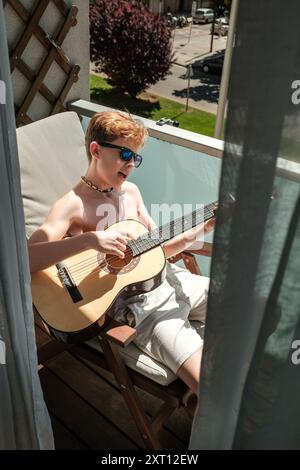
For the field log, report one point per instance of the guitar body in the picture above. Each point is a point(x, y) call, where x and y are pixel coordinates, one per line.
point(76, 301)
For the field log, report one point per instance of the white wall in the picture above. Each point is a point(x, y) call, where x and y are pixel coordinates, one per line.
point(75, 46)
point(187, 4)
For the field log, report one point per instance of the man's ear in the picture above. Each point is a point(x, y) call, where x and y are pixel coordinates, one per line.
point(94, 149)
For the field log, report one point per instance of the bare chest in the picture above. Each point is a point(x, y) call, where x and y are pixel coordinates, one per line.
point(100, 213)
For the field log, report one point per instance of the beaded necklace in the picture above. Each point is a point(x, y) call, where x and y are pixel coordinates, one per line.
point(91, 185)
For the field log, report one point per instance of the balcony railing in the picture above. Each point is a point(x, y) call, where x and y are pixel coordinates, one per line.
point(180, 168)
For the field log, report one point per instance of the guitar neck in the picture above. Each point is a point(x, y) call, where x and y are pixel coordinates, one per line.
point(170, 230)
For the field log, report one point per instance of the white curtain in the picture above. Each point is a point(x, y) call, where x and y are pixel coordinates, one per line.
point(24, 419)
point(249, 386)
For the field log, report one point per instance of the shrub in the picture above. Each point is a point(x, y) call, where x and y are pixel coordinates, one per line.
point(129, 44)
point(222, 7)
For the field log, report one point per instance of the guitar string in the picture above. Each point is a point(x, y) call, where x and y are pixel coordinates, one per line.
point(90, 271)
point(84, 267)
point(102, 264)
point(78, 263)
point(94, 268)
point(84, 264)
point(78, 279)
point(77, 267)
point(71, 266)
point(92, 265)
point(94, 259)
point(88, 268)
point(80, 276)
point(176, 224)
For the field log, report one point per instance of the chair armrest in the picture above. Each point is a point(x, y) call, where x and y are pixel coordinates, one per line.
point(120, 334)
point(189, 259)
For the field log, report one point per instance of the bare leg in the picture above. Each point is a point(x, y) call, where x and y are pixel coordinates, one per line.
point(189, 371)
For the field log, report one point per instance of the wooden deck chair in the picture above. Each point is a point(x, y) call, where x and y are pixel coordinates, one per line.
point(52, 158)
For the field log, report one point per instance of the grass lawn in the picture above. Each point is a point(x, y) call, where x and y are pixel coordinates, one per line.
point(290, 149)
point(152, 107)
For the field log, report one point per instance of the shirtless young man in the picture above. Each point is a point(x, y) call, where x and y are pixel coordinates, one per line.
point(79, 214)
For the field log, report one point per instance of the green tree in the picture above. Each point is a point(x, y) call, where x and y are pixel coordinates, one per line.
point(131, 45)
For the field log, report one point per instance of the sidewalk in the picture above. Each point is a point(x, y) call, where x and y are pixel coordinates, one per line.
point(188, 51)
point(204, 92)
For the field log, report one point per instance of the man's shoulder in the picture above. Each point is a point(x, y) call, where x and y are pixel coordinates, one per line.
point(134, 192)
point(70, 203)
point(131, 188)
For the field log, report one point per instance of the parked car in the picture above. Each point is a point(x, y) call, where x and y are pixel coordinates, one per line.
point(203, 15)
point(211, 64)
point(221, 26)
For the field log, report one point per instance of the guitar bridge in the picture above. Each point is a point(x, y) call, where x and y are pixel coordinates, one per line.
point(68, 282)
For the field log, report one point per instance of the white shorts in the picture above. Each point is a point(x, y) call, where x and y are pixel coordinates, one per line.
point(162, 317)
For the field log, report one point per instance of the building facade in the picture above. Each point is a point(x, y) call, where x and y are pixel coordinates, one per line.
point(175, 6)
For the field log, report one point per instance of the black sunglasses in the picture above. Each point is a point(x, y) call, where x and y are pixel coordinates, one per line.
point(125, 153)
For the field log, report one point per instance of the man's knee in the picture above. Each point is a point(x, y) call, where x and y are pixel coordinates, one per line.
point(189, 371)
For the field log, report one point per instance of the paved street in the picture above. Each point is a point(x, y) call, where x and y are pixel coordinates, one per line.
point(204, 88)
point(187, 51)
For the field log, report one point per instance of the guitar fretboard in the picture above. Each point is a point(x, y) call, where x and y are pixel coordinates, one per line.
point(170, 230)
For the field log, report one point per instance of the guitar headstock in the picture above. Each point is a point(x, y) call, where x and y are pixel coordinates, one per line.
point(230, 199)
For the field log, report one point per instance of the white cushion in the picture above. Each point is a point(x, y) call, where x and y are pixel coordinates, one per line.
point(140, 362)
point(52, 158)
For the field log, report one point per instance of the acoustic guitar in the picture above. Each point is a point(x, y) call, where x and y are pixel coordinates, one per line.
point(76, 297)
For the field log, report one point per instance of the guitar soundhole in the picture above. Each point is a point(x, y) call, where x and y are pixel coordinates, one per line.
point(115, 265)
point(118, 263)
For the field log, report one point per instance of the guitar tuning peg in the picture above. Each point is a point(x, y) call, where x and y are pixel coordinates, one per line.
point(231, 197)
point(228, 200)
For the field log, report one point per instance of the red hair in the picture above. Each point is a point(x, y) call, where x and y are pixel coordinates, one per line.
point(110, 125)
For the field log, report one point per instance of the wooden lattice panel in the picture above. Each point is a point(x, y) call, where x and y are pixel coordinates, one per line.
point(54, 54)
